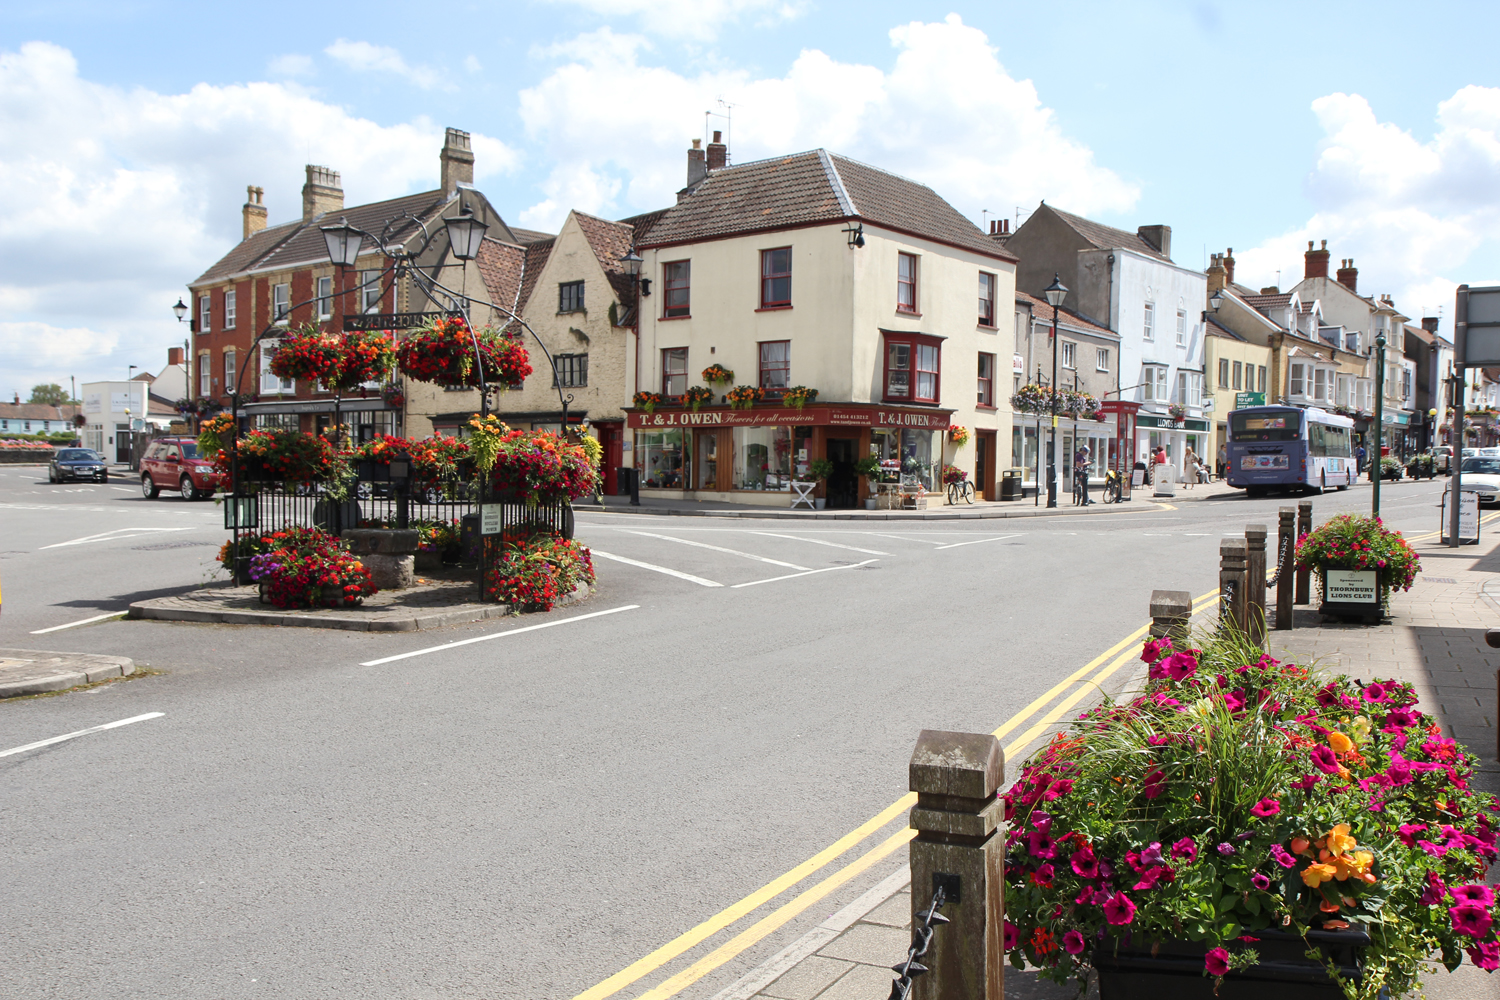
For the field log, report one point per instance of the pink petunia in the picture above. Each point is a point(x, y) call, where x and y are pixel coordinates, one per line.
point(1375, 692)
point(1155, 783)
point(1043, 876)
point(1155, 649)
point(1307, 781)
point(1435, 891)
point(1040, 845)
point(1470, 919)
point(1152, 854)
point(1073, 943)
point(1012, 936)
point(1486, 956)
point(1057, 790)
point(1324, 760)
point(1085, 863)
point(1216, 962)
point(1185, 848)
point(1482, 895)
point(1282, 856)
point(1119, 910)
point(1260, 881)
point(1153, 876)
point(1266, 808)
point(1408, 833)
point(1180, 666)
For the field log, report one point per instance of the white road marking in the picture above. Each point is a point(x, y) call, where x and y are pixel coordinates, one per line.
point(904, 538)
point(86, 621)
point(497, 635)
point(82, 732)
point(716, 548)
point(124, 489)
point(997, 538)
point(818, 541)
point(793, 576)
point(109, 536)
point(657, 569)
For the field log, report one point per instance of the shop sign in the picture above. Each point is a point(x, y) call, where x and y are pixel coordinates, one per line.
point(1468, 516)
point(1017, 364)
point(1350, 586)
point(1242, 400)
point(812, 416)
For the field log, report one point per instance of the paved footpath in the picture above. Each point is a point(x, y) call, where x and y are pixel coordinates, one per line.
point(1434, 638)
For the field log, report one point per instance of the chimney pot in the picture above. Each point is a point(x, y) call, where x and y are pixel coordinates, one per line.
point(254, 212)
point(323, 192)
point(457, 160)
point(1228, 259)
point(718, 153)
point(1430, 324)
point(718, 136)
point(697, 143)
point(174, 355)
point(1315, 262)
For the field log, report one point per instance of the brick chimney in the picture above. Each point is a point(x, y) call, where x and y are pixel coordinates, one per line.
point(174, 355)
point(1315, 262)
point(718, 153)
point(254, 211)
point(1159, 237)
point(1229, 266)
point(1000, 230)
point(1430, 323)
point(457, 159)
point(1348, 274)
point(1217, 273)
point(323, 193)
point(697, 165)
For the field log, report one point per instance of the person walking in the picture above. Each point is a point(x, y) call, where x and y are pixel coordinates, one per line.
point(1081, 473)
point(1359, 460)
point(1189, 468)
point(1223, 460)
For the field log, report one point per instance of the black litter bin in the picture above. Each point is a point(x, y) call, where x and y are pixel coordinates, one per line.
point(623, 480)
point(1010, 484)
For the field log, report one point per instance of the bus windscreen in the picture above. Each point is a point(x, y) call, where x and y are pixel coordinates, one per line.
point(1273, 426)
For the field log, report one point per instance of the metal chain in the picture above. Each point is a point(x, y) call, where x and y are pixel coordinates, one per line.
point(1286, 540)
point(921, 939)
point(1226, 596)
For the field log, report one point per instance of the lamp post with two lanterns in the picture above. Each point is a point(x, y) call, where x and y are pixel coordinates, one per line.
point(1055, 293)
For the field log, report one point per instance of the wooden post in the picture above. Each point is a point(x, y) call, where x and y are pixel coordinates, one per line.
point(1232, 583)
point(1255, 583)
point(1304, 525)
point(1286, 541)
point(956, 776)
point(1171, 611)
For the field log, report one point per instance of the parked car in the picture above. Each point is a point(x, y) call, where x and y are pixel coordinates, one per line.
point(1442, 455)
point(77, 463)
point(1482, 475)
point(173, 463)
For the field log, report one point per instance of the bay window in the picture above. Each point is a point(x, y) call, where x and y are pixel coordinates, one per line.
point(1296, 383)
point(1320, 385)
point(1189, 388)
point(1154, 384)
point(912, 368)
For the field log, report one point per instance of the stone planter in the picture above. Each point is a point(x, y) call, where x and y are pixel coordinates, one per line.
point(1284, 971)
point(389, 554)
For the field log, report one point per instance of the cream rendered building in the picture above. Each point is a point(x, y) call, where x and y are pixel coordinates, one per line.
point(815, 270)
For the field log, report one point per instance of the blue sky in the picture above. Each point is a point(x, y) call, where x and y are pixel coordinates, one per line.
point(129, 130)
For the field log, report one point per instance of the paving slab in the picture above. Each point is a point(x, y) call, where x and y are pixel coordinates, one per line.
point(37, 671)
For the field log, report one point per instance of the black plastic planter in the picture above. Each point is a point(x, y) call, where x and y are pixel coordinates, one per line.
point(1284, 972)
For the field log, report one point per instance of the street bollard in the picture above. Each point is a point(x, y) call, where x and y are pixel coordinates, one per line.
point(1304, 525)
point(1255, 583)
point(1285, 578)
point(1171, 610)
point(1232, 583)
point(957, 816)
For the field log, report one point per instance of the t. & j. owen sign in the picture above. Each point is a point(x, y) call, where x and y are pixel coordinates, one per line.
point(811, 416)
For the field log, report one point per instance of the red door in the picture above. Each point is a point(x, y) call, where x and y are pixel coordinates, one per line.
point(611, 439)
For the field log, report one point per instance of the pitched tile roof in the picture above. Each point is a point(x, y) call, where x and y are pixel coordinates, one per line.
point(501, 265)
point(36, 411)
point(610, 241)
point(809, 188)
point(1108, 237)
point(1042, 310)
point(530, 235)
point(1265, 302)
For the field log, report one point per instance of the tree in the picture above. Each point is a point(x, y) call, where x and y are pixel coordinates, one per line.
point(51, 394)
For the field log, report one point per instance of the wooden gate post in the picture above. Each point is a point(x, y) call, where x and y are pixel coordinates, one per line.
point(1286, 541)
point(1232, 583)
point(956, 776)
point(1304, 525)
point(1255, 583)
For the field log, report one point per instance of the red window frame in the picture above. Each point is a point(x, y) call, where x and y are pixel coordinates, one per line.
point(769, 276)
point(987, 283)
point(920, 350)
point(906, 285)
point(676, 285)
point(783, 366)
point(667, 375)
point(986, 382)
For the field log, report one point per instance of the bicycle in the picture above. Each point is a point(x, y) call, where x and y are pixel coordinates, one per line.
point(1078, 493)
point(961, 490)
point(1112, 491)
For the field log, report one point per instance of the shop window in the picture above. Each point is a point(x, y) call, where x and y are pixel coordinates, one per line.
point(775, 364)
point(986, 299)
point(1069, 354)
point(762, 458)
point(660, 457)
point(912, 368)
point(572, 370)
point(674, 371)
point(676, 278)
point(229, 310)
point(570, 296)
point(906, 282)
point(986, 380)
point(776, 278)
point(325, 298)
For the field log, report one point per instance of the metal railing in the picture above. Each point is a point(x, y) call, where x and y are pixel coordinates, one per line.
point(921, 940)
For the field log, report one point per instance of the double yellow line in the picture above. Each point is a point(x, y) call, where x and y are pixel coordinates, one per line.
point(1106, 664)
point(1486, 519)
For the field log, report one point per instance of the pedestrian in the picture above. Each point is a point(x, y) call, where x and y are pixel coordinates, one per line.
point(1223, 460)
point(1359, 460)
point(1189, 468)
point(1158, 463)
point(1081, 473)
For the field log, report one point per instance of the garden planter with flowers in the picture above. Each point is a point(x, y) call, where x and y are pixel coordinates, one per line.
point(443, 352)
point(1358, 563)
point(1239, 814)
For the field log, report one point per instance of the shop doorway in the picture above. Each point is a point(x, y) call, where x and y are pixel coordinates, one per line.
point(708, 461)
point(612, 455)
point(842, 484)
point(984, 463)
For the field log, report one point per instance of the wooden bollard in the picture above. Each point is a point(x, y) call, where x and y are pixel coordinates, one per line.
point(1286, 540)
point(1255, 583)
point(957, 816)
point(1304, 525)
point(1171, 612)
point(1232, 583)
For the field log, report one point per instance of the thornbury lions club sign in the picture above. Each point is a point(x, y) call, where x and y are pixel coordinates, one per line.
point(812, 416)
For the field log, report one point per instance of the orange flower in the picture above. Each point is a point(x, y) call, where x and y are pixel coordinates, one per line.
point(1338, 840)
point(1317, 874)
point(1300, 845)
point(1340, 743)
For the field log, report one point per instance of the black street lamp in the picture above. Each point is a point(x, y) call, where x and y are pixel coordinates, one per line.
point(1055, 293)
point(1376, 463)
point(180, 310)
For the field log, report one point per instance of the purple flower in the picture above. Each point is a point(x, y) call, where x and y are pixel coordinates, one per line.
point(1119, 910)
point(1227, 850)
point(1216, 962)
point(1435, 891)
point(1324, 760)
point(1399, 718)
point(1073, 943)
point(1085, 863)
point(1180, 666)
point(1266, 808)
point(1282, 857)
point(1012, 936)
point(1041, 845)
point(1044, 876)
point(1307, 781)
point(1152, 854)
point(1470, 919)
point(1486, 956)
point(1260, 881)
point(1375, 692)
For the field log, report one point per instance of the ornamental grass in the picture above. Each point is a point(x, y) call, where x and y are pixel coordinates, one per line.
point(1239, 794)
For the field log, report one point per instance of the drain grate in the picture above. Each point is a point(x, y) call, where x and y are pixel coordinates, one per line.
point(171, 545)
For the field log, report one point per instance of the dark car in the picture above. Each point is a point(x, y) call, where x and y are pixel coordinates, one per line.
point(77, 463)
point(173, 463)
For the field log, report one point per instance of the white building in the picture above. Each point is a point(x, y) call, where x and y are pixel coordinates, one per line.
point(111, 410)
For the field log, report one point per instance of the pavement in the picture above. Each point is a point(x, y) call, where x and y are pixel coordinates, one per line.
point(36, 671)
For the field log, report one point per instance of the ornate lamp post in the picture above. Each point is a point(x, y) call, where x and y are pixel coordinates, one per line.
point(1055, 293)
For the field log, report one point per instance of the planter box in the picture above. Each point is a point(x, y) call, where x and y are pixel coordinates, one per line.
point(367, 471)
point(1344, 599)
point(1284, 971)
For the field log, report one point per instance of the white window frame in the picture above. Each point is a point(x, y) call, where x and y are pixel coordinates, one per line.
point(1321, 377)
point(205, 373)
point(1189, 388)
point(281, 304)
point(1182, 328)
point(1154, 384)
point(1148, 322)
point(1296, 379)
point(270, 383)
point(1069, 355)
point(369, 297)
point(325, 298)
point(205, 312)
point(229, 308)
point(229, 370)
point(1101, 359)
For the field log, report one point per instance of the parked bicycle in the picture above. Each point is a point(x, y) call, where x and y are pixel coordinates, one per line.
point(961, 490)
point(1112, 491)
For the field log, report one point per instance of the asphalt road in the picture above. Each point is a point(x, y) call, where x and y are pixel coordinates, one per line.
point(526, 815)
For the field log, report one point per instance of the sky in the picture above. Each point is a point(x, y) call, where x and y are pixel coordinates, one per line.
point(130, 129)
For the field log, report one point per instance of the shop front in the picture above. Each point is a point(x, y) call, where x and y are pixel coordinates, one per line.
point(1176, 437)
point(753, 456)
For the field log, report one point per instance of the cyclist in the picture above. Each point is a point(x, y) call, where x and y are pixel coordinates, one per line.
point(1081, 475)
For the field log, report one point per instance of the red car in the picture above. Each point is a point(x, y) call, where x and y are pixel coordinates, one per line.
point(173, 463)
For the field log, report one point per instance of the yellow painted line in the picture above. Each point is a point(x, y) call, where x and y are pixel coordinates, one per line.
point(1486, 519)
point(729, 949)
point(691, 938)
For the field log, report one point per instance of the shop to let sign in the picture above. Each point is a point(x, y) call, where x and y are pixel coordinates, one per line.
point(1351, 586)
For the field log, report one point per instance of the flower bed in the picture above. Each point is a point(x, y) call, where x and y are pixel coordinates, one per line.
point(1239, 795)
point(443, 352)
point(533, 571)
point(314, 570)
point(1352, 542)
point(258, 544)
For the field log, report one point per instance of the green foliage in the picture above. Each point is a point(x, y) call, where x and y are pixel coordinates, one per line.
point(50, 394)
point(820, 469)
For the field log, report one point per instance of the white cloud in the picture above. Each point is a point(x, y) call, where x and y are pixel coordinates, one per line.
point(695, 20)
point(1415, 216)
point(362, 57)
point(290, 65)
point(946, 113)
point(112, 200)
